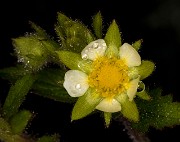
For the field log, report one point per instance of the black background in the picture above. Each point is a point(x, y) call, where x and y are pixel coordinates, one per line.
point(157, 22)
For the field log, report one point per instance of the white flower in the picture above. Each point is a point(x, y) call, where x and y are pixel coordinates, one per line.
point(110, 76)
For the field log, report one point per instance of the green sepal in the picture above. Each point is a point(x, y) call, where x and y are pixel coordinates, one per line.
point(137, 44)
point(85, 104)
point(145, 69)
point(113, 40)
point(107, 118)
point(128, 108)
point(16, 95)
point(143, 95)
point(20, 121)
point(97, 25)
point(133, 73)
point(74, 61)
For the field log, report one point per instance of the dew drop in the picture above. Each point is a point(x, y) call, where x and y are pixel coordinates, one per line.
point(84, 56)
point(86, 51)
point(20, 60)
point(104, 44)
point(95, 45)
point(78, 86)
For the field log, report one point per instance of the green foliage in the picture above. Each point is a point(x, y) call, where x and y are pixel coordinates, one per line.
point(49, 84)
point(46, 138)
point(12, 73)
point(4, 125)
point(73, 34)
point(19, 121)
point(37, 51)
point(160, 112)
point(17, 94)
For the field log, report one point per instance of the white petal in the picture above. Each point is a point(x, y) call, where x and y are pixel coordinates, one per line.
point(109, 105)
point(131, 92)
point(130, 55)
point(94, 49)
point(76, 83)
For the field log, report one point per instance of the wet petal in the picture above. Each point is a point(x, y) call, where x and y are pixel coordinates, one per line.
point(131, 92)
point(109, 105)
point(130, 55)
point(94, 49)
point(76, 83)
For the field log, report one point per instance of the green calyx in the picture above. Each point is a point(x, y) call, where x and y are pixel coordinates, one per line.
point(113, 40)
point(128, 108)
point(74, 61)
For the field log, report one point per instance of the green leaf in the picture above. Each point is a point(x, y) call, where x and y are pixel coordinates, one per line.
point(19, 121)
point(74, 61)
point(128, 108)
point(35, 51)
point(30, 52)
point(7, 137)
point(85, 104)
point(97, 25)
point(145, 69)
point(4, 125)
point(16, 95)
point(113, 40)
point(74, 35)
point(49, 84)
point(46, 138)
point(159, 113)
point(12, 73)
point(74, 44)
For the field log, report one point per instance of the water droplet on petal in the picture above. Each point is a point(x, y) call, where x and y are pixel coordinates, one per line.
point(95, 45)
point(78, 86)
point(86, 51)
point(84, 56)
point(104, 44)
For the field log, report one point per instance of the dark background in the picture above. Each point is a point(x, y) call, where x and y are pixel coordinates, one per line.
point(157, 22)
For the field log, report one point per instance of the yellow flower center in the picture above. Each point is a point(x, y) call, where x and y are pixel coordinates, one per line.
point(109, 76)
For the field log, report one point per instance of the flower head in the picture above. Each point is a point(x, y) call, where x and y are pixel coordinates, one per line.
point(105, 76)
point(109, 77)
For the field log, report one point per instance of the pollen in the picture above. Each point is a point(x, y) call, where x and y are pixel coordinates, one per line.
point(109, 76)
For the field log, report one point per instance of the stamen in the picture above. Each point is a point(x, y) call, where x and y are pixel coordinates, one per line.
point(109, 76)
